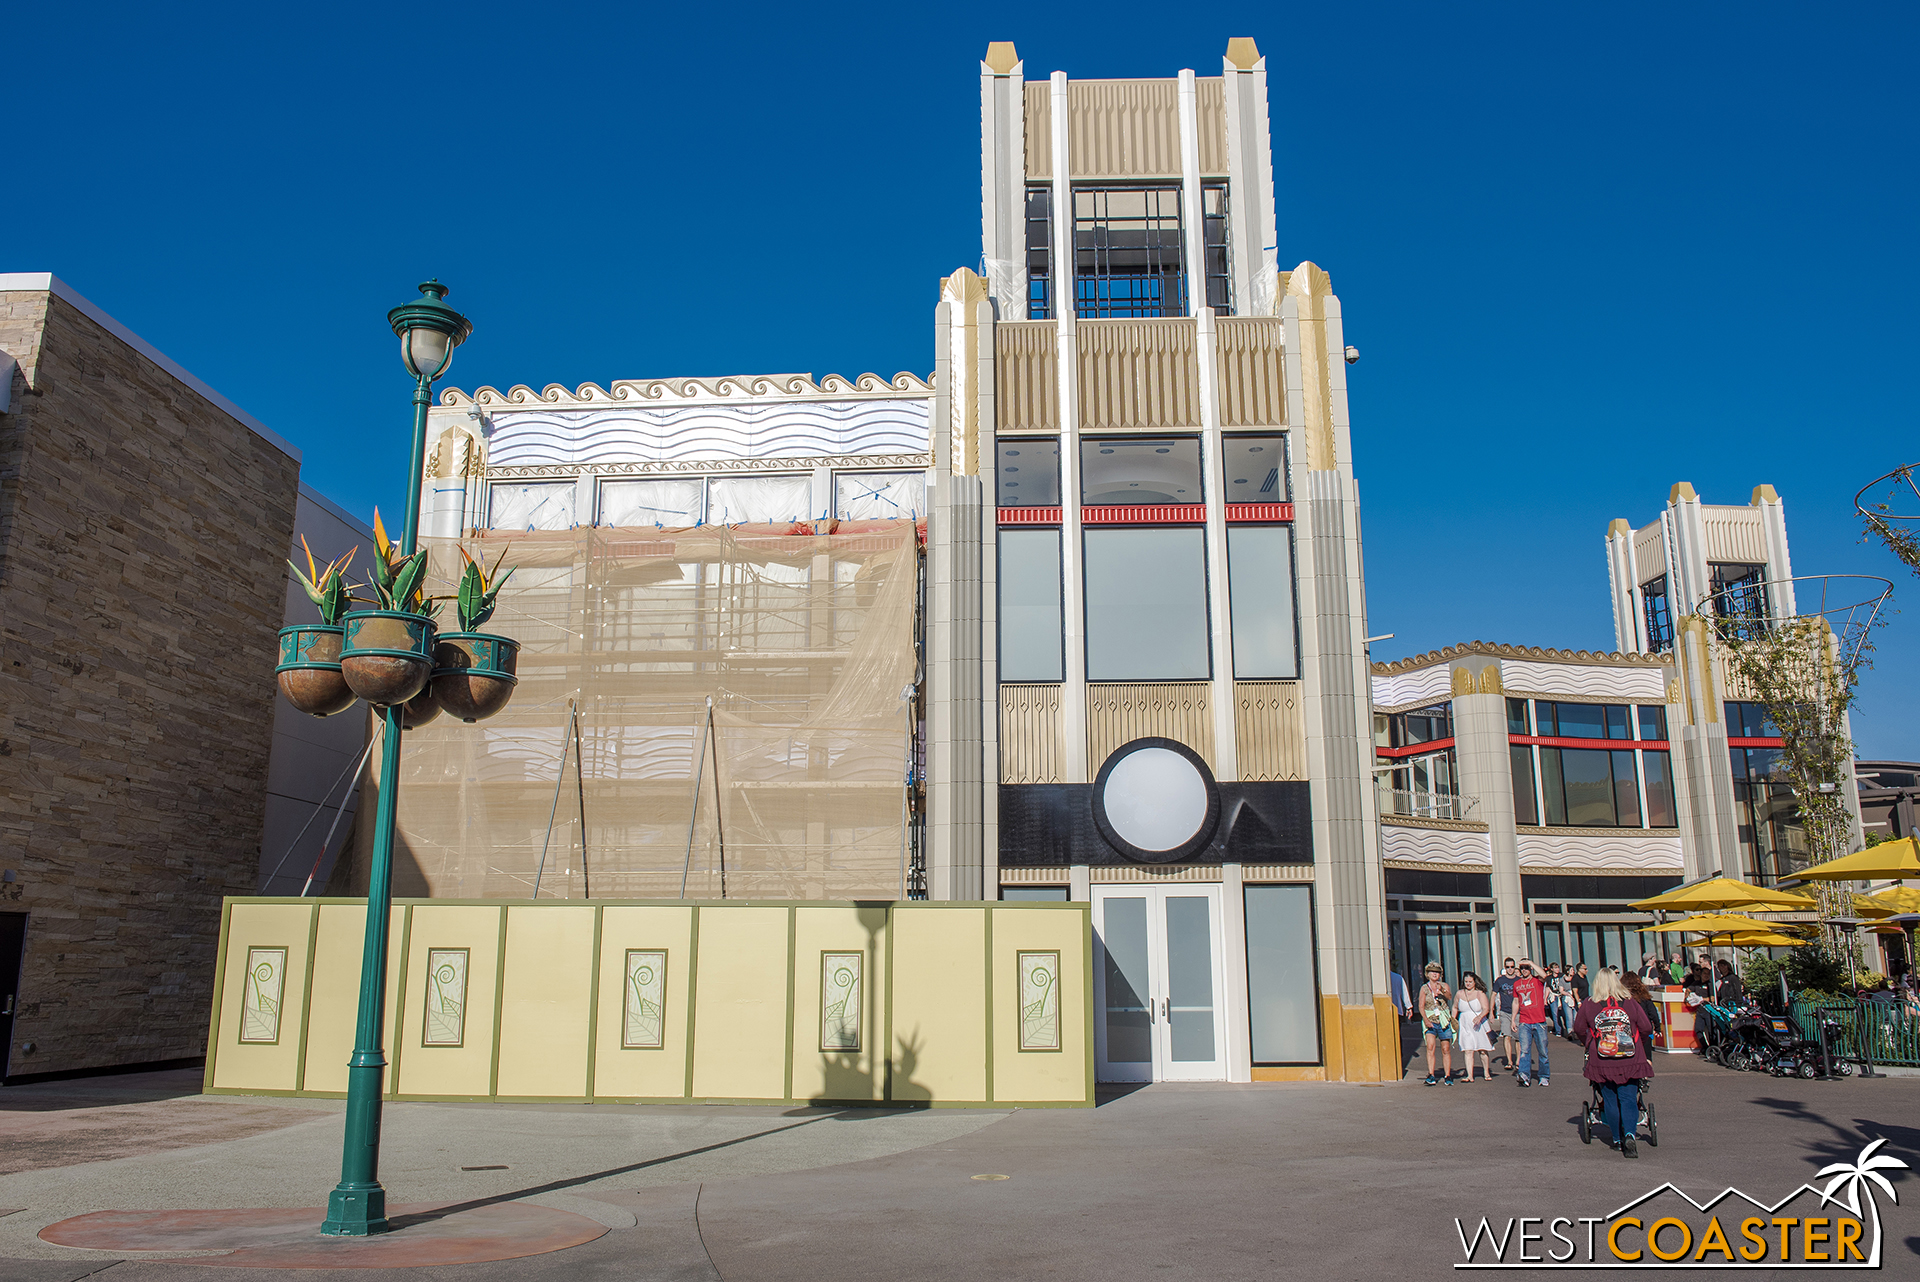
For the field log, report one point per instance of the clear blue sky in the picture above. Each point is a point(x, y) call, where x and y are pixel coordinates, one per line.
point(1586, 251)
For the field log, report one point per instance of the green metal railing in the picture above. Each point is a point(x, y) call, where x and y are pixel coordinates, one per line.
point(1893, 1031)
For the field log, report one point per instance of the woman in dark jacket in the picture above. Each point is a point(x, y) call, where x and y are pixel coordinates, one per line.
point(1613, 1021)
point(1729, 991)
point(1637, 989)
point(1700, 980)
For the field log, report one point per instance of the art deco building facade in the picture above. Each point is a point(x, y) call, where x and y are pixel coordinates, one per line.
point(1078, 616)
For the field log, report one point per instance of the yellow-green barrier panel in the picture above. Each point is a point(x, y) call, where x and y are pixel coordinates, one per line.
point(660, 1001)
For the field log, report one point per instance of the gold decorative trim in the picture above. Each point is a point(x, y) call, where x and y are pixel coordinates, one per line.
point(1490, 680)
point(1415, 865)
point(1034, 877)
point(680, 467)
point(692, 391)
point(1599, 658)
point(1001, 58)
point(1445, 825)
point(1276, 872)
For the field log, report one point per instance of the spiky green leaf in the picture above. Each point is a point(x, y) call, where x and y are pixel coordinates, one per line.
point(406, 579)
point(334, 598)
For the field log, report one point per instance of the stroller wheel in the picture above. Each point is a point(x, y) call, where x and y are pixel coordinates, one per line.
point(1843, 1067)
point(1653, 1127)
point(1807, 1071)
point(1586, 1125)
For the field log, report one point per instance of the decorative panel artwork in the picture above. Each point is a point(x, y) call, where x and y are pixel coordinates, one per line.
point(260, 995)
point(1030, 747)
point(1120, 713)
point(644, 1023)
point(1270, 730)
point(1039, 1001)
point(761, 429)
point(840, 1001)
point(446, 1008)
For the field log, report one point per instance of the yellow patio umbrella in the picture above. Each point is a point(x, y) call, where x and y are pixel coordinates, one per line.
point(1762, 939)
point(1876, 863)
point(1709, 924)
point(1722, 893)
point(1871, 908)
point(1896, 899)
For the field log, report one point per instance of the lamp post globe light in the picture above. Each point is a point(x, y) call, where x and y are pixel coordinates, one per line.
point(429, 330)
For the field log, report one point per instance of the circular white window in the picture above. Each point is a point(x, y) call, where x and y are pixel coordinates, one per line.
point(1155, 799)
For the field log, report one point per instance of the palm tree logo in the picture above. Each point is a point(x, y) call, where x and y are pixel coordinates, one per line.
point(1851, 1178)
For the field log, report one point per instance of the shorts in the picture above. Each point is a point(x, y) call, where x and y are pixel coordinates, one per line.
point(1443, 1033)
point(1506, 1024)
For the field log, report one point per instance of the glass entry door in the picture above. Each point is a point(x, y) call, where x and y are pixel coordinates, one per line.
point(1158, 982)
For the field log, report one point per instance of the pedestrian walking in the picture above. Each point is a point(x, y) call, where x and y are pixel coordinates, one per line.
point(1473, 1016)
point(1530, 1026)
point(1613, 1028)
point(1402, 1001)
point(1637, 990)
point(1560, 1003)
point(1502, 989)
point(1436, 1017)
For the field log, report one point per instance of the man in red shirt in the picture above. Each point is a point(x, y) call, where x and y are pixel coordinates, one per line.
point(1530, 1025)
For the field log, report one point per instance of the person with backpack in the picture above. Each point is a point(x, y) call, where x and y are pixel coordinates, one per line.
point(1614, 1029)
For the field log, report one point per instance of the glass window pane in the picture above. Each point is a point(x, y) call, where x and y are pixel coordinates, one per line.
point(738, 500)
point(1617, 722)
point(1260, 593)
point(1283, 999)
point(1550, 944)
point(1588, 777)
point(1027, 471)
point(671, 502)
point(880, 496)
point(1552, 791)
point(1517, 717)
point(1127, 472)
point(1255, 468)
point(1146, 605)
point(1129, 1022)
point(1190, 978)
point(1033, 894)
point(1659, 770)
point(1030, 610)
point(1653, 721)
point(1581, 720)
point(1626, 791)
point(1543, 720)
point(546, 506)
point(1524, 811)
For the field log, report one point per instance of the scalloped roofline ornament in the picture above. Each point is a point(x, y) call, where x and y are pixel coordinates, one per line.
point(1545, 654)
point(730, 389)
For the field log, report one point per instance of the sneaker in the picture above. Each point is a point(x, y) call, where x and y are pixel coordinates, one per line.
point(1431, 1079)
point(1543, 1082)
point(1446, 1081)
point(1524, 1082)
point(1630, 1147)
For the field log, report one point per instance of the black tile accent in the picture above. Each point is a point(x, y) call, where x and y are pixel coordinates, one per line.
point(1046, 825)
point(1594, 886)
point(1411, 881)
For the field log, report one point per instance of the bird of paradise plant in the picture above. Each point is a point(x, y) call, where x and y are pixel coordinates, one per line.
point(328, 588)
point(480, 589)
point(396, 581)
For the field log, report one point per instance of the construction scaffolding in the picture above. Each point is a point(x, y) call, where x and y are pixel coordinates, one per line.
point(715, 712)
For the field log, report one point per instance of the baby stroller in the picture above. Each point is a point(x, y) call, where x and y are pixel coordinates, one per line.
point(1591, 1112)
point(1713, 1031)
point(1771, 1044)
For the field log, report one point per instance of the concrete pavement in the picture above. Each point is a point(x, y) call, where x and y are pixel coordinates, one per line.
point(1205, 1181)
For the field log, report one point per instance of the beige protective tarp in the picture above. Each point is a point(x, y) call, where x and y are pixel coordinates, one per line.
point(803, 642)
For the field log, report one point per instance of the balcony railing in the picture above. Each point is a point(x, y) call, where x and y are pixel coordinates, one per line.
point(1422, 804)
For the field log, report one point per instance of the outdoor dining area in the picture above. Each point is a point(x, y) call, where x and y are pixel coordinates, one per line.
point(1874, 1019)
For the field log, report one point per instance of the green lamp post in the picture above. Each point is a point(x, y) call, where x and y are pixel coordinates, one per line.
point(429, 330)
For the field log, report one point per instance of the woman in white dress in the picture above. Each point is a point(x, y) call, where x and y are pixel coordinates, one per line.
point(1473, 1012)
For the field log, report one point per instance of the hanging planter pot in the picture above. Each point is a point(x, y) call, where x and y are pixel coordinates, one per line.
point(387, 655)
point(309, 670)
point(473, 673)
point(419, 710)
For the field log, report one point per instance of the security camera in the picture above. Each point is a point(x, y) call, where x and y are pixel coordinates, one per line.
point(1353, 353)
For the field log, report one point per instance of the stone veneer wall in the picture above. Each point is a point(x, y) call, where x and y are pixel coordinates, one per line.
point(141, 587)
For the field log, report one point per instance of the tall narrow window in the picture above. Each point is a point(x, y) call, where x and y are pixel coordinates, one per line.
point(1626, 790)
point(1146, 592)
point(1260, 598)
point(1653, 721)
point(1030, 606)
point(1659, 770)
point(1659, 616)
point(1517, 717)
point(1553, 793)
point(1524, 810)
point(1282, 995)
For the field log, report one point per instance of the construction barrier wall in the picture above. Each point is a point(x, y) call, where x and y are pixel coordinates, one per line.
point(929, 1004)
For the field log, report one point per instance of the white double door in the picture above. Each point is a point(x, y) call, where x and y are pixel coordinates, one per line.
point(1158, 984)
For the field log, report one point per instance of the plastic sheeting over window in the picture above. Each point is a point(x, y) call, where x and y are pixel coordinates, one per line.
point(676, 502)
point(734, 500)
point(543, 505)
point(803, 642)
point(880, 496)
